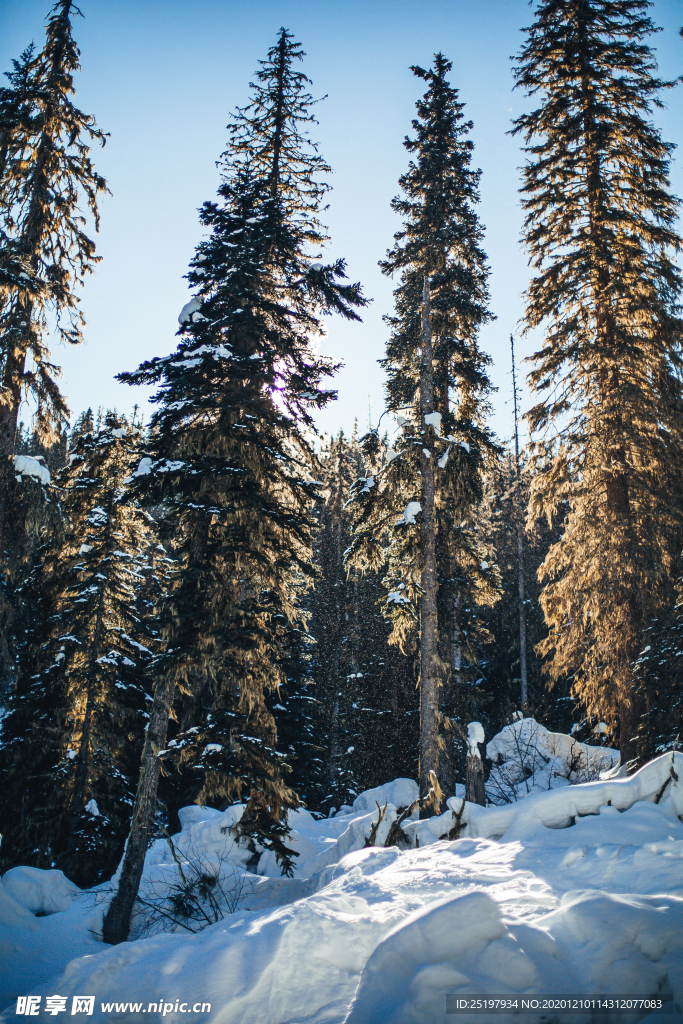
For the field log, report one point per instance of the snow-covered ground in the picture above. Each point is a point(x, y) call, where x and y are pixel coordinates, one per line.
point(575, 890)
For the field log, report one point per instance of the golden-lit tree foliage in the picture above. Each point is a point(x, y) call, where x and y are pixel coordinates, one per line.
point(47, 184)
point(601, 233)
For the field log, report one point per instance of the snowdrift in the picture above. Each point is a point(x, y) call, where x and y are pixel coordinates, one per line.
point(574, 890)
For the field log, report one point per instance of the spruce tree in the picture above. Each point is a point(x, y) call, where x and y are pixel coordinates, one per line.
point(46, 179)
point(75, 723)
point(497, 533)
point(658, 683)
point(601, 232)
point(231, 458)
point(367, 701)
point(438, 387)
point(295, 708)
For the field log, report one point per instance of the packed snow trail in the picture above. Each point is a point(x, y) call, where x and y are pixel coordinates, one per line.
point(381, 935)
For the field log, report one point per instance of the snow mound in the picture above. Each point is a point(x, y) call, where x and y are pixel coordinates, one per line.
point(400, 793)
point(594, 943)
point(409, 973)
point(41, 892)
point(195, 814)
point(659, 780)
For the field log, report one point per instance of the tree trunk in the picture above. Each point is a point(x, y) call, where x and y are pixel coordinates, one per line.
point(475, 791)
point(628, 729)
point(117, 919)
point(339, 590)
point(524, 692)
point(10, 401)
point(429, 681)
point(116, 923)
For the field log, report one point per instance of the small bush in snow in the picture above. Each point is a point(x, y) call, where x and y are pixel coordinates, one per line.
point(207, 889)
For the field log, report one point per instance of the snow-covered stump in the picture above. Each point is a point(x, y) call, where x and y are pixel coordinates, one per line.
point(475, 792)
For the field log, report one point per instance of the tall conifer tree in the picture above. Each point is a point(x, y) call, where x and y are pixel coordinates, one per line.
point(601, 231)
point(75, 723)
point(439, 386)
point(230, 455)
point(46, 178)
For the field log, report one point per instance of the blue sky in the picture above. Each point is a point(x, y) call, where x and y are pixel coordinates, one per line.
point(162, 78)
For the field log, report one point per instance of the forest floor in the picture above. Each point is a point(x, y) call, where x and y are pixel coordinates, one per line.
point(576, 891)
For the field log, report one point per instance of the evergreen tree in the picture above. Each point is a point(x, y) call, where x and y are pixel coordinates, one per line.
point(16, 116)
point(438, 384)
point(335, 626)
point(231, 459)
point(658, 681)
point(295, 710)
point(46, 177)
point(600, 228)
point(75, 723)
point(500, 661)
point(366, 725)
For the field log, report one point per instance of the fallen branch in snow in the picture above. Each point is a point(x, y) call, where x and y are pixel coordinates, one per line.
point(374, 828)
point(458, 824)
point(671, 775)
point(559, 808)
point(397, 836)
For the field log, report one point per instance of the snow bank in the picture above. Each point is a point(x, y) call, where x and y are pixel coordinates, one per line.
point(41, 892)
point(575, 890)
point(559, 808)
point(593, 944)
point(383, 934)
point(400, 793)
point(36, 950)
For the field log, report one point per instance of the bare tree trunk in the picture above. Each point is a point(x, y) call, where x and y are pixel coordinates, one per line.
point(116, 923)
point(117, 919)
point(475, 792)
point(429, 681)
point(520, 550)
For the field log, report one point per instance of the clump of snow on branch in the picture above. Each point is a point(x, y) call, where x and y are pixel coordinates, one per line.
point(28, 465)
point(411, 510)
point(190, 311)
point(433, 419)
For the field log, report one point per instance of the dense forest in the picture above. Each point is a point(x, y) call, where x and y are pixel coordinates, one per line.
point(216, 603)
